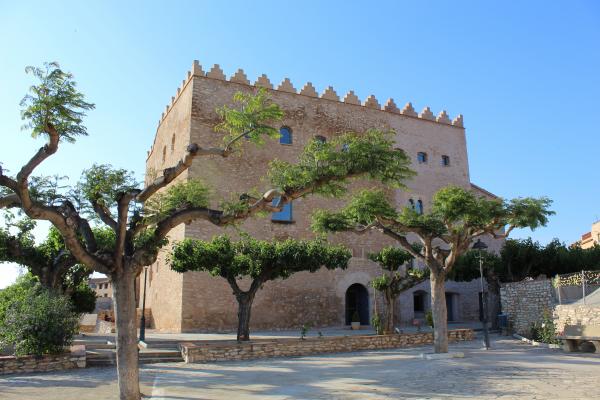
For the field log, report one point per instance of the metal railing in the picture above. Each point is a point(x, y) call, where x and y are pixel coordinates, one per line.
point(578, 287)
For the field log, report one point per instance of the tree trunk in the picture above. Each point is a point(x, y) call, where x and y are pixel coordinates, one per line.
point(494, 289)
point(389, 314)
point(127, 344)
point(440, 314)
point(244, 308)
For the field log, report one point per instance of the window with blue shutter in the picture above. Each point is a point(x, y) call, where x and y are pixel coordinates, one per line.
point(285, 215)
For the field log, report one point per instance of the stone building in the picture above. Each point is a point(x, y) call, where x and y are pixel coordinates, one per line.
point(102, 286)
point(195, 301)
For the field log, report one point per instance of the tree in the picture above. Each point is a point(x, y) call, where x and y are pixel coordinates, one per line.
point(49, 261)
point(259, 260)
point(393, 282)
point(139, 220)
point(456, 218)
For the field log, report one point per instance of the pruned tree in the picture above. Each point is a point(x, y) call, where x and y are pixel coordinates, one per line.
point(259, 261)
point(457, 216)
point(110, 197)
point(393, 281)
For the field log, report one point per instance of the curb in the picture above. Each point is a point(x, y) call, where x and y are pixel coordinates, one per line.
point(538, 344)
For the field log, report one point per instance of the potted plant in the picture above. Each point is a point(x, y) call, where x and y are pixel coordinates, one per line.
point(355, 324)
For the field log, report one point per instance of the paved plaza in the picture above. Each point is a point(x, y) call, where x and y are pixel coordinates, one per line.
point(511, 370)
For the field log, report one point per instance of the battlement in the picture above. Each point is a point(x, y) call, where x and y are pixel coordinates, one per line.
point(309, 90)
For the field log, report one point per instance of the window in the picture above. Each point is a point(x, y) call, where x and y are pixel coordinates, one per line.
point(445, 161)
point(419, 208)
point(105, 295)
point(345, 147)
point(93, 285)
point(411, 204)
point(418, 301)
point(286, 135)
point(285, 215)
point(422, 157)
point(320, 138)
point(173, 143)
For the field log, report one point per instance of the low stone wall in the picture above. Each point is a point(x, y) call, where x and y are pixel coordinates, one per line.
point(525, 303)
point(575, 315)
point(229, 351)
point(14, 365)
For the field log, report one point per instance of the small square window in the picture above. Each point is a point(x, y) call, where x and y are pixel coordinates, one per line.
point(445, 161)
point(422, 157)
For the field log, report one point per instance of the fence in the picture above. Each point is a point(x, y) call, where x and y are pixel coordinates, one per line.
point(578, 288)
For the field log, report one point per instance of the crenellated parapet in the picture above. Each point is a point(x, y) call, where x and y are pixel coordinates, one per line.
point(309, 90)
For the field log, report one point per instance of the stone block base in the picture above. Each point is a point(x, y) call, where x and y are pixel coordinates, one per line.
point(229, 350)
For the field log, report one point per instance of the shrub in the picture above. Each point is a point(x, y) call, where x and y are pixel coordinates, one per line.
point(83, 299)
point(545, 330)
point(429, 318)
point(37, 321)
point(377, 324)
point(355, 317)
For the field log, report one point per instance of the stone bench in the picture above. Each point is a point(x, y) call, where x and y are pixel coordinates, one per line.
point(574, 335)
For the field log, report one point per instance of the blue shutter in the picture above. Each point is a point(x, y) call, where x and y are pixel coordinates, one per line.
point(285, 215)
point(286, 135)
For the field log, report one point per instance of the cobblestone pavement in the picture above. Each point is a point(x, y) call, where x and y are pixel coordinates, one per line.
point(511, 370)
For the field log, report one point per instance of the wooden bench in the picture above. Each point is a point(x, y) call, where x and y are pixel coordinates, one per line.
point(575, 335)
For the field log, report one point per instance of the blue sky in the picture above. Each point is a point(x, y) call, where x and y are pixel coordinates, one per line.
point(524, 74)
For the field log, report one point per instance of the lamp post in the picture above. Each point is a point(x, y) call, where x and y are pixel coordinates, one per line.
point(143, 319)
point(479, 246)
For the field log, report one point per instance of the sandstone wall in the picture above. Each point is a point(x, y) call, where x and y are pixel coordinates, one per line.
point(297, 347)
point(575, 315)
point(525, 303)
point(14, 365)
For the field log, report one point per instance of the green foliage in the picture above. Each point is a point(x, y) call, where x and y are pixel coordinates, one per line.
point(466, 267)
point(391, 258)
point(256, 258)
point(523, 258)
point(304, 330)
point(362, 209)
point(377, 324)
point(103, 184)
point(189, 193)
point(251, 118)
point(355, 317)
point(17, 292)
point(83, 299)
point(54, 101)
point(36, 320)
point(544, 331)
point(429, 318)
point(327, 167)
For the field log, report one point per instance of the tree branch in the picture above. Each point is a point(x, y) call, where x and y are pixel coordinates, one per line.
point(104, 214)
point(44, 152)
point(10, 201)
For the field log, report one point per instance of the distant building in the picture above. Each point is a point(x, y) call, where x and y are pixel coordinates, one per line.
point(102, 287)
point(591, 238)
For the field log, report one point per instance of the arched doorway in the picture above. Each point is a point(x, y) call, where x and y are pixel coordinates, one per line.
point(357, 300)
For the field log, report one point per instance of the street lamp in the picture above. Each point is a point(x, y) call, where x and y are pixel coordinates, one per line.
point(479, 246)
point(143, 319)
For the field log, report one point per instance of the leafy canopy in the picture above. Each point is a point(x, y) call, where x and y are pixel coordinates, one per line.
point(254, 258)
point(329, 165)
point(250, 118)
point(454, 211)
point(54, 102)
point(390, 259)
